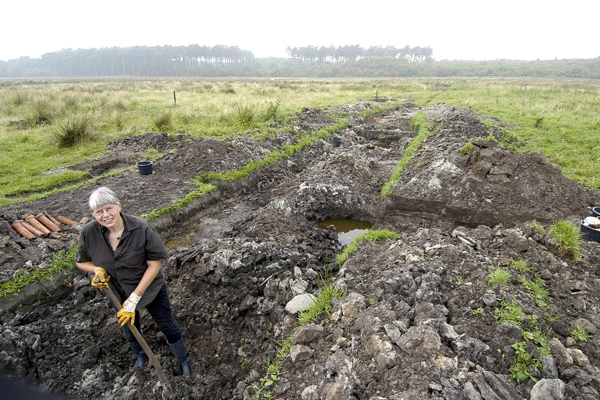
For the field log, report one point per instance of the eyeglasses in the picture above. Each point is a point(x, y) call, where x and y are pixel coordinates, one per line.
point(109, 209)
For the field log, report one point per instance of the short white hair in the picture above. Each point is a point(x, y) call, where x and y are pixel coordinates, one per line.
point(101, 197)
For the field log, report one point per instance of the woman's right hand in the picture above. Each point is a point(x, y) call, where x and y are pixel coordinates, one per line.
point(100, 279)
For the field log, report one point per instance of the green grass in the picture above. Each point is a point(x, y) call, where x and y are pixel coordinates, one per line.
point(521, 265)
point(537, 290)
point(558, 118)
point(369, 236)
point(567, 237)
point(419, 125)
point(510, 312)
point(63, 261)
point(499, 277)
point(579, 333)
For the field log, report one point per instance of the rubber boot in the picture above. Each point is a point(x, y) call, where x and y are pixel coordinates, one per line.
point(139, 353)
point(180, 354)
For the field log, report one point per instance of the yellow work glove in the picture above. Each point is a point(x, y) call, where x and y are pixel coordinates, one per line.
point(100, 279)
point(127, 312)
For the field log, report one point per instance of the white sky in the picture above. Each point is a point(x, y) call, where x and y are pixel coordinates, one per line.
point(454, 29)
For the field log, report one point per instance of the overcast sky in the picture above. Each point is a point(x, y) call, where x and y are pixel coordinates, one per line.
point(454, 29)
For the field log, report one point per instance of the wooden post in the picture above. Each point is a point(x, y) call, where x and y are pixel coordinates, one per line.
point(174, 97)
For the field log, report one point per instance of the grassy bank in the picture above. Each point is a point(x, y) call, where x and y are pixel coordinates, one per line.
point(47, 126)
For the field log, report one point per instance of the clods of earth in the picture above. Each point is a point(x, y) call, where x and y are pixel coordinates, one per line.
point(424, 315)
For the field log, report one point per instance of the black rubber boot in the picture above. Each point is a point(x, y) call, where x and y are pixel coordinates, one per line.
point(139, 353)
point(180, 354)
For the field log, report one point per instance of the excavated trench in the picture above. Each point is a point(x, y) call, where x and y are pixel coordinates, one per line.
point(240, 255)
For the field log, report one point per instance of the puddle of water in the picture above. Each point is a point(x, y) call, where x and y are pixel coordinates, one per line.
point(384, 145)
point(347, 229)
point(187, 239)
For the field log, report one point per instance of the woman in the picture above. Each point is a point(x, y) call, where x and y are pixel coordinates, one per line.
point(126, 250)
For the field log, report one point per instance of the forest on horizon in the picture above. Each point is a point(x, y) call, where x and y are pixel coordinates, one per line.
point(308, 61)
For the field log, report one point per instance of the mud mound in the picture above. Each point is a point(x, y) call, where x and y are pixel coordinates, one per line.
point(420, 319)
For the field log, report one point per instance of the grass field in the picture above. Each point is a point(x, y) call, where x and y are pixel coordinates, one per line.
point(45, 126)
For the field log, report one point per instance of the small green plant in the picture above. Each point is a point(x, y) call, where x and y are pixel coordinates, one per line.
point(511, 313)
point(458, 280)
point(272, 111)
point(245, 113)
point(578, 332)
point(75, 130)
point(163, 121)
point(537, 290)
point(567, 237)
point(523, 360)
point(478, 312)
point(521, 265)
point(467, 148)
point(551, 317)
point(152, 154)
point(537, 228)
point(328, 291)
point(499, 277)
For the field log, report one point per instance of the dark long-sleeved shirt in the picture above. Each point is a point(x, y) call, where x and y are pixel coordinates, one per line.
point(127, 264)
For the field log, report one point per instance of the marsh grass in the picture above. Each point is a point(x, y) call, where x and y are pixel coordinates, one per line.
point(567, 237)
point(499, 277)
point(565, 112)
point(75, 130)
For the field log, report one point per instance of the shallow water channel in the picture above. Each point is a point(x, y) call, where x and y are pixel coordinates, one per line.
point(347, 229)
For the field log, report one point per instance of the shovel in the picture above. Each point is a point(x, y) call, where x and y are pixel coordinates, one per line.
point(167, 392)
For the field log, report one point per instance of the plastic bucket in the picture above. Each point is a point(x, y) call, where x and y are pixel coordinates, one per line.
point(588, 233)
point(145, 167)
point(336, 141)
point(596, 211)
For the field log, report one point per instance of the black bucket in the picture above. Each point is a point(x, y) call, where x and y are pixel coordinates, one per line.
point(145, 167)
point(596, 211)
point(336, 142)
point(588, 233)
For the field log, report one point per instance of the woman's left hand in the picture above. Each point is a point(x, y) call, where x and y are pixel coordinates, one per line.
point(127, 312)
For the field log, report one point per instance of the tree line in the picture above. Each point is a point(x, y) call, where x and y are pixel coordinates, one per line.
point(127, 61)
point(224, 61)
point(332, 54)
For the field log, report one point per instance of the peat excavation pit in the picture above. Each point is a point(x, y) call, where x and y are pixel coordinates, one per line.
point(419, 319)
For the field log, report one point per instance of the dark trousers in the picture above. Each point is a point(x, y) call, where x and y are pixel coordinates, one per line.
point(160, 310)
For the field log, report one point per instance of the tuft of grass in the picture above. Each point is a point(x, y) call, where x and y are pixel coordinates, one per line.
point(499, 277)
point(272, 112)
point(538, 291)
point(467, 148)
point(369, 236)
point(19, 98)
point(328, 291)
point(245, 113)
point(163, 121)
point(510, 312)
point(578, 332)
point(521, 265)
point(75, 130)
point(567, 237)
point(41, 113)
point(536, 227)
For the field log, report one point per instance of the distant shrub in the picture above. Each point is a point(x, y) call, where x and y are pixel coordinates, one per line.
point(245, 113)
point(41, 113)
point(272, 111)
point(163, 121)
point(75, 130)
